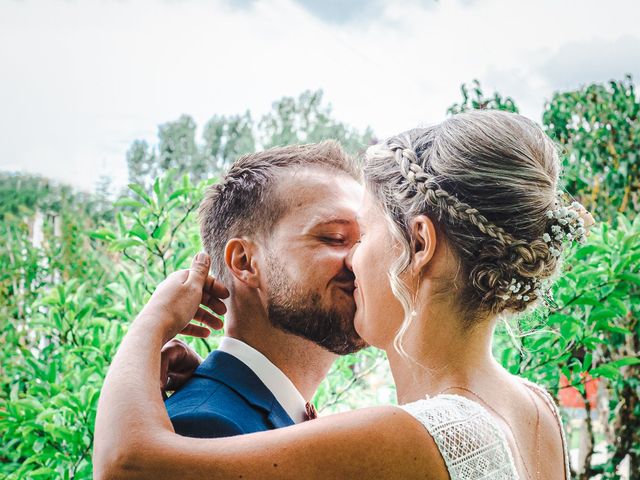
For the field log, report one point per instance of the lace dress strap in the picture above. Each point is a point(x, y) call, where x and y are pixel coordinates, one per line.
point(551, 404)
point(472, 445)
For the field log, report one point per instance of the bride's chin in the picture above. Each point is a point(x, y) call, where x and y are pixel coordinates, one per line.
point(366, 334)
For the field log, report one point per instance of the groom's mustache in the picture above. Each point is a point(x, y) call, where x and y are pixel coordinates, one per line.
point(345, 281)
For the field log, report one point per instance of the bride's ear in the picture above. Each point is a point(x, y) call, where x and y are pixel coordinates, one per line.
point(423, 234)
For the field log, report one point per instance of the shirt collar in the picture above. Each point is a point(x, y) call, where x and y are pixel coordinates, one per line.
point(274, 379)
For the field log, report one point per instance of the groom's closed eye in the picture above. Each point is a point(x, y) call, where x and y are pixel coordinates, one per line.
point(334, 239)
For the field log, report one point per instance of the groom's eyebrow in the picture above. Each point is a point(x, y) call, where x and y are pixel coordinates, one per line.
point(324, 221)
point(334, 220)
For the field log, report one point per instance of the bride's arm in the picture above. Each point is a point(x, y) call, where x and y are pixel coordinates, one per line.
point(134, 437)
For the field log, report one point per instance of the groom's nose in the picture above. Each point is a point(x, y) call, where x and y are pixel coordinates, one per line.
point(349, 258)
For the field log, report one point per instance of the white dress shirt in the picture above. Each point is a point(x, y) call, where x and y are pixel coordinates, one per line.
point(274, 379)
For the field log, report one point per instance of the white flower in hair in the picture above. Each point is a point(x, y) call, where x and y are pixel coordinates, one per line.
point(546, 237)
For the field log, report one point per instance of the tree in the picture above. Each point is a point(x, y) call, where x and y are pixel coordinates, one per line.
point(226, 138)
point(473, 99)
point(305, 119)
point(141, 162)
point(599, 128)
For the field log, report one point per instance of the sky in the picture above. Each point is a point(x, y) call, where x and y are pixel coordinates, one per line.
point(82, 79)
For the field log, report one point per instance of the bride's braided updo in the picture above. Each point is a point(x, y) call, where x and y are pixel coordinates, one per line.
point(488, 180)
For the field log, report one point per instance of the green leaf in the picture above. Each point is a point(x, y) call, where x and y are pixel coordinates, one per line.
point(625, 361)
point(158, 191)
point(631, 277)
point(128, 202)
point(141, 193)
point(606, 371)
point(602, 314)
point(138, 231)
point(119, 245)
point(618, 306)
point(102, 234)
point(178, 193)
point(161, 230)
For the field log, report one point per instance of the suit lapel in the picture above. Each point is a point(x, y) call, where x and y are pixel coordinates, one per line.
point(227, 369)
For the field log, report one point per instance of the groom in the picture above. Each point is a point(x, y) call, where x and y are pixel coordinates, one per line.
point(278, 228)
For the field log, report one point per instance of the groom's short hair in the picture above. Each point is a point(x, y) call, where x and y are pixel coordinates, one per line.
point(246, 203)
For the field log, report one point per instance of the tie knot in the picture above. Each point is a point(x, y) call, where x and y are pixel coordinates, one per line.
point(311, 411)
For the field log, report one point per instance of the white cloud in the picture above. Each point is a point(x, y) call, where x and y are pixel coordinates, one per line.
point(81, 80)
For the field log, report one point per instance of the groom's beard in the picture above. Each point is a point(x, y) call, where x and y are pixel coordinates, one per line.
point(294, 310)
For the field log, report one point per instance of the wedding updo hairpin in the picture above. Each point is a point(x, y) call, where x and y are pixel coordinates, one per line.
point(569, 224)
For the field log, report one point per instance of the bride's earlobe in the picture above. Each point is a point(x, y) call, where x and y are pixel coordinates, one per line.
point(424, 241)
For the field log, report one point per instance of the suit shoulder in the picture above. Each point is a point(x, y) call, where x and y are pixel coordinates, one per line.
point(202, 395)
point(205, 425)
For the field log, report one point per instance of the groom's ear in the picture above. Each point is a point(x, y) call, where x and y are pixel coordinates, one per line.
point(239, 255)
point(423, 235)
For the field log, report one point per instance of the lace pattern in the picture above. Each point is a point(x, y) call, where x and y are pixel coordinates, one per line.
point(471, 444)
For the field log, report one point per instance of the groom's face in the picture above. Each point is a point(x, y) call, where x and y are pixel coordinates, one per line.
point(310, 289)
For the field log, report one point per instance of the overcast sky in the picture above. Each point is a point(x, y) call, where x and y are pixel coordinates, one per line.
point(80, 80)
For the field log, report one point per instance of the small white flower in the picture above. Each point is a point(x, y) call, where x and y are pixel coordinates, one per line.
point(556, 229)
point(519, 297)
point(569, 236)
point(525, 298)
point(575, 205)
point(546, 237)
point(549, 213)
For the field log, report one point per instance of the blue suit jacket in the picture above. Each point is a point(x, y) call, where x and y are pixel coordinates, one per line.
point(224, 398)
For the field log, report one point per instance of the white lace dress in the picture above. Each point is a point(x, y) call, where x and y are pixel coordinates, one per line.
point(470, 441)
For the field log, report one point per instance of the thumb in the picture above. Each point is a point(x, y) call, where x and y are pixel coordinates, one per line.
point(199, 270)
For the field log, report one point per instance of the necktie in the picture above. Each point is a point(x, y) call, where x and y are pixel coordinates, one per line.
point(311, 411)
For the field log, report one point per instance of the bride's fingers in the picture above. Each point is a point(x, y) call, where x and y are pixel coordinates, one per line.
point(214, 304)
point(214, 288)
point(194, 330)
point(208, 319)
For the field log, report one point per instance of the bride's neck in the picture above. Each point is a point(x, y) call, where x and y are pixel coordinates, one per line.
point(439, 354)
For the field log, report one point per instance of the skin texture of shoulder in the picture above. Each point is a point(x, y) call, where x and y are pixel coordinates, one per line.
point(381, 442)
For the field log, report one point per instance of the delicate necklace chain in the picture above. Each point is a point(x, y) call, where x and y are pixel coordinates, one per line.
point(537, 430)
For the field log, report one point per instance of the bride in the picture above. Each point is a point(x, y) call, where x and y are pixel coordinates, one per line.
point(461, 223)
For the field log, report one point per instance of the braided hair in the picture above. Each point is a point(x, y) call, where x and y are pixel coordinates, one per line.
point(486, 178)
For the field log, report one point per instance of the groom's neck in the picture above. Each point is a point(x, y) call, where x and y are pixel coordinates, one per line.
point(302, 361)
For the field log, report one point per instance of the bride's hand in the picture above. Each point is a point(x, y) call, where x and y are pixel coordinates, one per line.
point(176, 301)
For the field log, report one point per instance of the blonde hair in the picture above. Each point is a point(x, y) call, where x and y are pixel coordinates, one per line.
point(486, 180)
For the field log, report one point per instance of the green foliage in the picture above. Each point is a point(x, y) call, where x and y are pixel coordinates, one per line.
point(66, 302)
point(593, 332)
point(599, 126)
point(473, 98)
